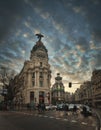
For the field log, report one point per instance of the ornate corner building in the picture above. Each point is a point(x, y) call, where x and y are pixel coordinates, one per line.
point(57, 91)
point(32, 84)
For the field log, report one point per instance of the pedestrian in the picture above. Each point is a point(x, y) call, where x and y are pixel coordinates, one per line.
point(75, 109)
point(43, 106)
point(39, 108)
point(65, 109)
point(84, 112)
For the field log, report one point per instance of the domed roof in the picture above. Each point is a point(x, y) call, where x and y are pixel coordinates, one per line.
point(58, 77)
point(39, 45)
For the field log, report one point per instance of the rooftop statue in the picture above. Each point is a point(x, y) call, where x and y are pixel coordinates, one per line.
point(39, 36)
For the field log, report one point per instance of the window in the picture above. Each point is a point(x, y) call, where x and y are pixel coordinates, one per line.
point(41, 83)
point(40, 64)
point(33, 75)
point(41, 96)
point(31, 96)
point(41, 75)
point(33, 83)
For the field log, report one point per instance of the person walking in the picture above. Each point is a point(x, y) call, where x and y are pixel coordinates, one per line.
point(65, 109)
point(75, 110)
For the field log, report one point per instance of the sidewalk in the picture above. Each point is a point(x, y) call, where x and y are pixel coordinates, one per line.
point(98, 114)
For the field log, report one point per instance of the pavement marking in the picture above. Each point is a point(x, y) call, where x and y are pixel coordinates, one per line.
point(65, 119)
point(51, 117)
point(83, 123)
point(45, 116)
point(73, 121)
point(40, 115)
point(57, 118)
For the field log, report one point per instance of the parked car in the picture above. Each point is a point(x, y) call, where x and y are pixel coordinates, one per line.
point(71, 106)
point(60, 107)
point(50, 107)
point(54, 107)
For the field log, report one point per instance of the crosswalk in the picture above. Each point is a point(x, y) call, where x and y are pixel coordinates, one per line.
point(69, 118)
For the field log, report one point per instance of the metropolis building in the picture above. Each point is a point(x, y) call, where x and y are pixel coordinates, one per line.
point(32, 84)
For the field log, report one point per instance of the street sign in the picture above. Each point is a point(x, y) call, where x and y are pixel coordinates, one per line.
point(4, 91)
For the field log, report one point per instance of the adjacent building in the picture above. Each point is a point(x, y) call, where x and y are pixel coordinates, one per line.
point(96, 85)
point(90, 91)
point(57, 90)
point(84, 93)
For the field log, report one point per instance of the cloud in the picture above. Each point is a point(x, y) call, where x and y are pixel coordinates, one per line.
point(71, 32)
point(96, 34)
point(82, 44)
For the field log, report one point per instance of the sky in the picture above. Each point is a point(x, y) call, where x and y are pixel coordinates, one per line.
point(72, 36)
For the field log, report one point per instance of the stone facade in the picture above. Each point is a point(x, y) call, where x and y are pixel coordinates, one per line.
point(32, 84)
point(90, 91)
point(57, 91)
point(96, 84)
point(68, 97)
point(1, 90)
point(84, 94)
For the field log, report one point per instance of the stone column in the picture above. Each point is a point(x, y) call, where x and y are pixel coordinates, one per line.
point(26, 80)
point(27, 98)
point(37, 96)
point(29, 80)
point(37, 79)
point(45, 79)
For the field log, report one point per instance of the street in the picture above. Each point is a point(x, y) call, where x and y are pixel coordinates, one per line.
point(50, 120)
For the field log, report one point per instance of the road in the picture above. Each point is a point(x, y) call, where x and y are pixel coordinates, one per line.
point(15, 120)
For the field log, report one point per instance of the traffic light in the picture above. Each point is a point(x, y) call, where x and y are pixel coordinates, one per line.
point(70, 84)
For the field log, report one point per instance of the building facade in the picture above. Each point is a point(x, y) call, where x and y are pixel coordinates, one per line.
point(68, 97)
point(96, 84)
point(84, 93)
point(57, 90)
point(32, 84)
point(90, 91)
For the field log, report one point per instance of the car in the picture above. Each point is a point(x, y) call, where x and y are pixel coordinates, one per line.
point(71, 106)
point(60, 107)
point(53, 107)
point(50, 107)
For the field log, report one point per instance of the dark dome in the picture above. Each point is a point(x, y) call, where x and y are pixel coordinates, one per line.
point(58, 78)
point(39, 45)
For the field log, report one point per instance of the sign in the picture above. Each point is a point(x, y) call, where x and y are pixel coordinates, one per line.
point(1, 91)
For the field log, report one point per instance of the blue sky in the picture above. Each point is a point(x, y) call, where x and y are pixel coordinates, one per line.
point(72, 35)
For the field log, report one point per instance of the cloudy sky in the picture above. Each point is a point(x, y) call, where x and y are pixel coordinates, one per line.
point(72, 35)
